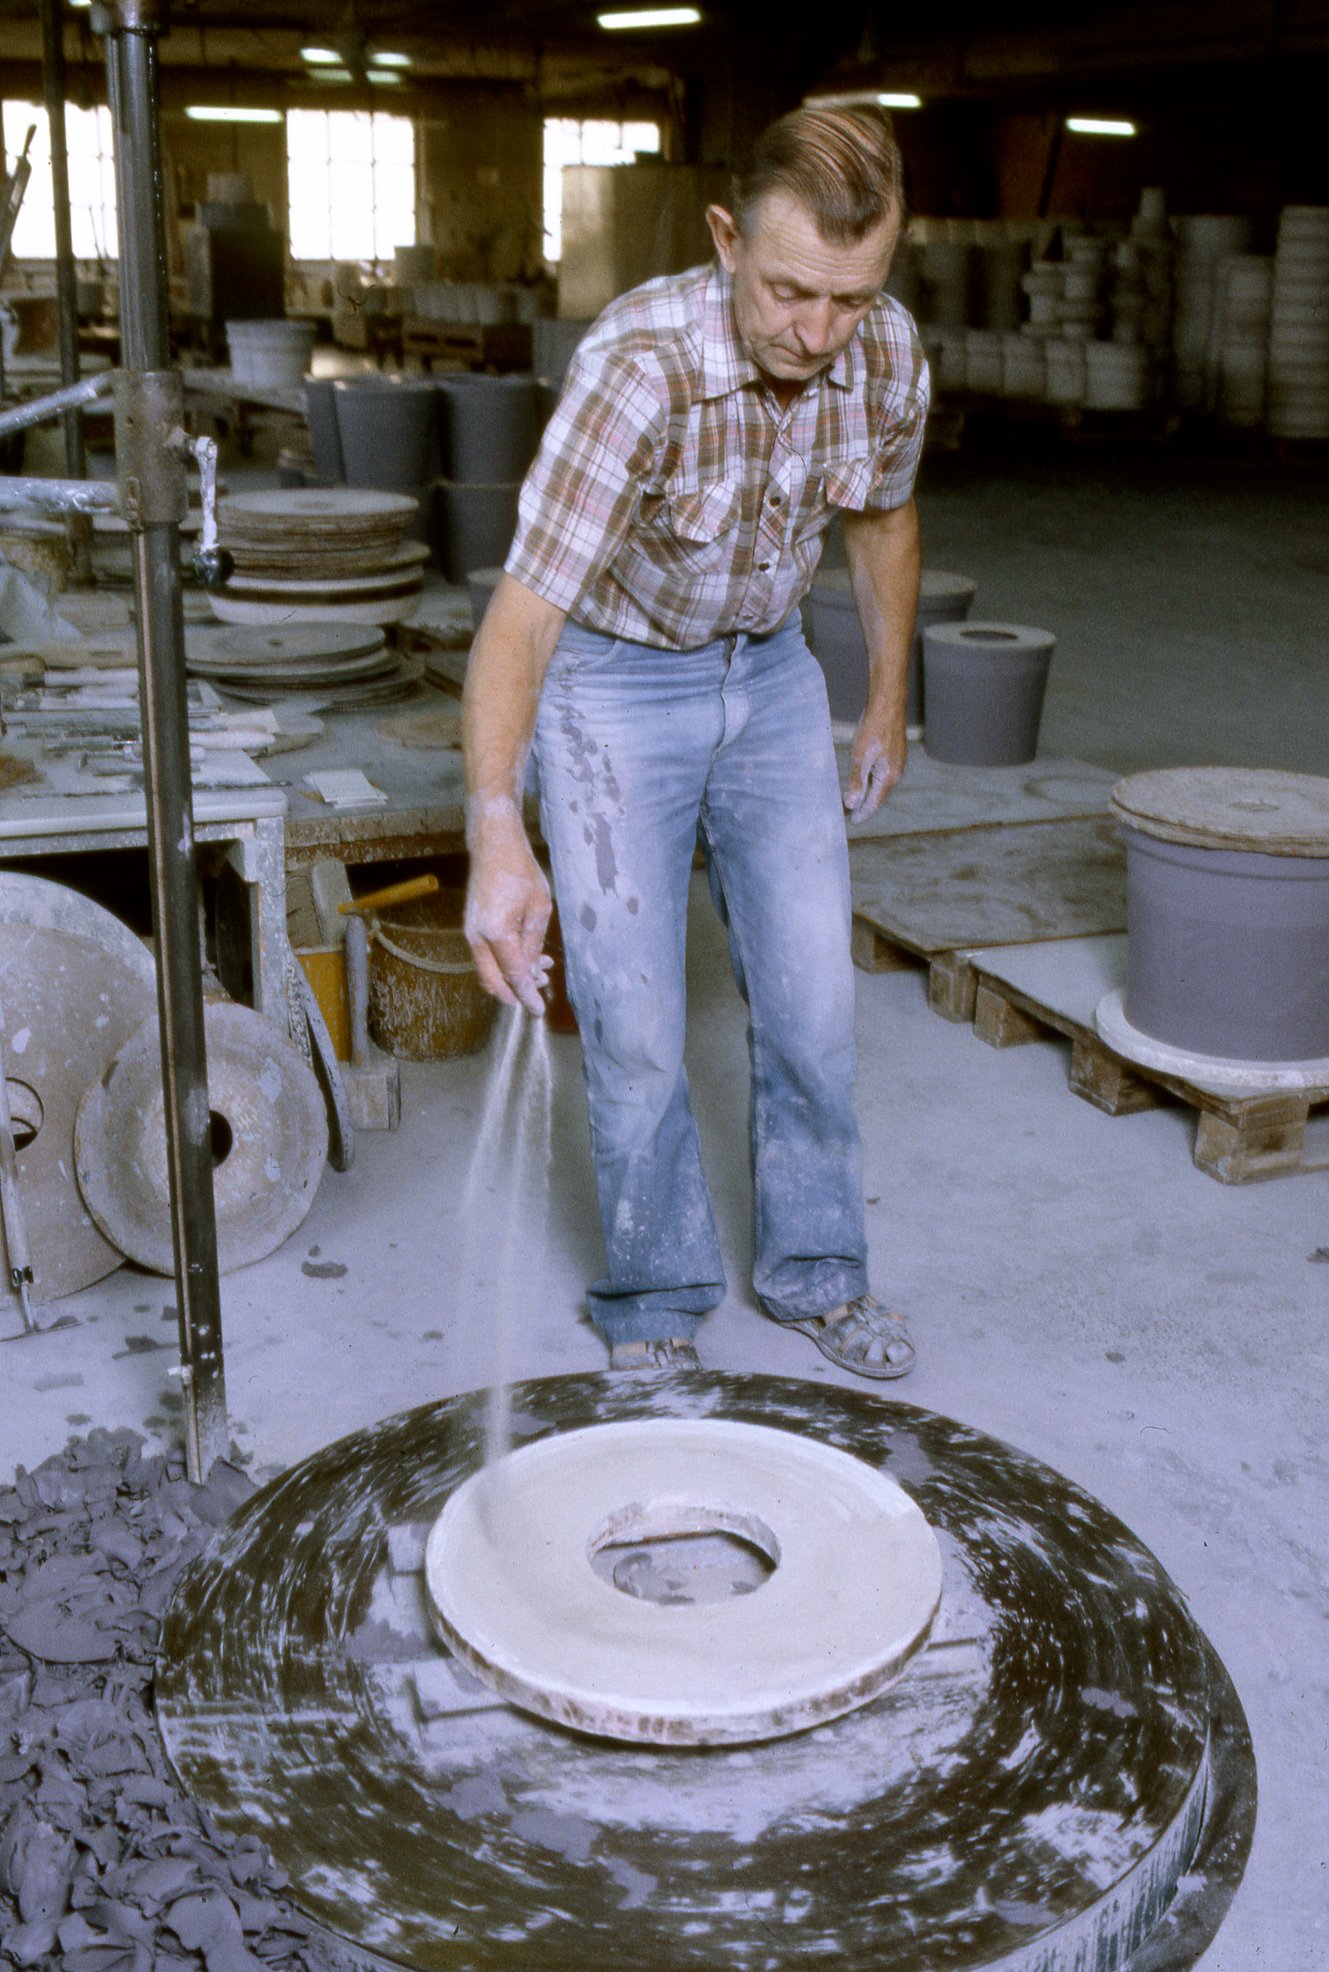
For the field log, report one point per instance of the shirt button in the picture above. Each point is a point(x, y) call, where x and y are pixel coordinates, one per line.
point(763, 566)
point(775, 499)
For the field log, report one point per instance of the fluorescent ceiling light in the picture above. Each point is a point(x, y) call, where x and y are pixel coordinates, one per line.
point(317, 56)
point(901, 100)
point(652, 17)
point(332, 75)
point(228, 113)
point(80, 3)
point(385, 77)
point(388, 58)
point(1100, 126)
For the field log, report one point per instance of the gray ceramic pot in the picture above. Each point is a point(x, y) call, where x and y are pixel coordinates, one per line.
point(473, 526)
point(490, 427)
point(386, 427)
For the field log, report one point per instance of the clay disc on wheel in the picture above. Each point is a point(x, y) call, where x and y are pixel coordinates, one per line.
point(67, 1005)
point(269, 1137)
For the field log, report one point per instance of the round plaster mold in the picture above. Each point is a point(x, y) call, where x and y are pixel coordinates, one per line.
point(854, 1588)
point(269, 1138)
point(1061, 1779)
point(1223, 1074)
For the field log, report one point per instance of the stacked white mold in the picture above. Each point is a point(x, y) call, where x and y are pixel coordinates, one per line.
point(1204, 240)
point(1299, 325)
point(1241, 337)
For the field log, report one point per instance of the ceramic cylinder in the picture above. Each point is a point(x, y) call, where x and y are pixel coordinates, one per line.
point(473, 526)
point(1229, 950)
point(983, 687)
point(386, 427)
point(324, 436)
point(490, 427)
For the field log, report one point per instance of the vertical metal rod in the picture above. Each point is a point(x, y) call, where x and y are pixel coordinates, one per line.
point(132, 84)
point(53, 78)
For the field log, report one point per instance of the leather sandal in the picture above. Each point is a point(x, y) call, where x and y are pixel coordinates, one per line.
point(862, 1336)
point(654, 1353)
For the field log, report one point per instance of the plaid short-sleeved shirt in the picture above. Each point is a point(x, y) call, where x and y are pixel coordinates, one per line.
point(672, 501)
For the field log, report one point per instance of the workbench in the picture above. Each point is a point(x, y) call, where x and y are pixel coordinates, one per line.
point(247, 825)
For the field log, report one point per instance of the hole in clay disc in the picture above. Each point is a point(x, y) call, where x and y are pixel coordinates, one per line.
point(677, 1553)
point(26, 1112)
point(222, 1137)
point(990, 636)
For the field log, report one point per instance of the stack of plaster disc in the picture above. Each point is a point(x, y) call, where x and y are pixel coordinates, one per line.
point(321, 554)
point(338, 664)
point(1299, 325)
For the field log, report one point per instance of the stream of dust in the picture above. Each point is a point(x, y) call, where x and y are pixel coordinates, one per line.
point(505, 1210)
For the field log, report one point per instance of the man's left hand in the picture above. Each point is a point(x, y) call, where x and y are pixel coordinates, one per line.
point(877, 764)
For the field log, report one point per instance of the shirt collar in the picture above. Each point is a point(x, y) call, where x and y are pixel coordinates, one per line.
point(726, 365)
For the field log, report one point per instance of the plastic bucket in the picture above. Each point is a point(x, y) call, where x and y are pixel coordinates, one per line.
point(426, 1002)
point(983, 686)
point(270, 355)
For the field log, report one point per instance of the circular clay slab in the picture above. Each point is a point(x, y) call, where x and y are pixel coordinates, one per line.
point(1061, 1780)
point(436, 728)
point(269, 1137)
point(288, 643)
point(1256, 808)
point(296, 507)
point(516, 1596)
point(67, 1005)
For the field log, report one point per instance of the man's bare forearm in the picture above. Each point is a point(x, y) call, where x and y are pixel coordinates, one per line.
point(884, 562)
point(504, 676)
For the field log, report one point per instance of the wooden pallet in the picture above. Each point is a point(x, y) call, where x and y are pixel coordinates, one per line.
point(469, 346)
point(1238, 1139)
point(931, 899)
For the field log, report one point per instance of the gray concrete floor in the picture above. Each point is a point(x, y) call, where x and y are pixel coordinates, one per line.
point(1075, 1285)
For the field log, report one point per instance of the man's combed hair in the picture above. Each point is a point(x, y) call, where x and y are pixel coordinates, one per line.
point(843, 164)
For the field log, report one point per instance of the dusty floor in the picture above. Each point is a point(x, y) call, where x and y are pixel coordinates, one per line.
point(1075, 1285)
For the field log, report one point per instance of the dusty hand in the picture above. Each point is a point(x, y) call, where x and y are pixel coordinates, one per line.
point(877, 764)
point(507, 909)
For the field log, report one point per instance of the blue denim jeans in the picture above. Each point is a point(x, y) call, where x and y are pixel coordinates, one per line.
point(638, 748)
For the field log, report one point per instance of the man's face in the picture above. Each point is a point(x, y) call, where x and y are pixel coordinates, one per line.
point(798, 298)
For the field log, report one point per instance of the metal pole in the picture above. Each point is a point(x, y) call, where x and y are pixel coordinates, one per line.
point(37, 409)
point(53, 77)
point(149, 408)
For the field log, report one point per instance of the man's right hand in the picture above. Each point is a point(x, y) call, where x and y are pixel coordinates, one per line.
point(507, 905)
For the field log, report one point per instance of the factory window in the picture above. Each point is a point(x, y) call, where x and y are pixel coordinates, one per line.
point(351, 184)
point(91, 182)
point(593, 140)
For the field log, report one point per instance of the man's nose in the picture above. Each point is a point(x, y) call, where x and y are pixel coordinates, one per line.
point(815, 327)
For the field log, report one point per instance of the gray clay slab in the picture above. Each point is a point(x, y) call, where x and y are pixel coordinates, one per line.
point(1068, 976)
point(992, 886)
point(932, 795)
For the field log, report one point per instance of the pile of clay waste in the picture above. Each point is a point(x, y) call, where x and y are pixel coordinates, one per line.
point(105, 1865)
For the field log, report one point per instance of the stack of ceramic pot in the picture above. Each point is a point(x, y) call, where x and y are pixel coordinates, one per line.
point(489, 429)
point(1204, 241)
point(1299, 325)
point(1241, 337)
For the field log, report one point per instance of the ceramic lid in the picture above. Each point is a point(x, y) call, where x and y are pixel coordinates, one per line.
point(1256, 808)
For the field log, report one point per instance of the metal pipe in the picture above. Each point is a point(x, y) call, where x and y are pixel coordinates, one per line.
point(57, 496)
point(38, 409)
point(53, 77)
point(131, 79)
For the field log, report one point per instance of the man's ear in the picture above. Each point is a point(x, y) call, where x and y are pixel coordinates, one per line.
point(725, 233)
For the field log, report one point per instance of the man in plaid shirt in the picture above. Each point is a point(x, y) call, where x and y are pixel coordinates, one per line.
point(645, 639)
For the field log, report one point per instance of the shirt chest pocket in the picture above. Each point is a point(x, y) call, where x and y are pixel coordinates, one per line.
point(839, 488)
point(683, 525)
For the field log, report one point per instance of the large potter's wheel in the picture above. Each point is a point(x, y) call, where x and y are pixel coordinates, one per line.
point(1062, 1780)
